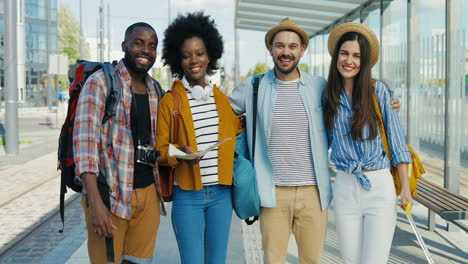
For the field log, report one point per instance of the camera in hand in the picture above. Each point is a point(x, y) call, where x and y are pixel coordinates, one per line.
point(147, 155)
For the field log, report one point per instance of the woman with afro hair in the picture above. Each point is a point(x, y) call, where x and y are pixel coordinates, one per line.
point(202, 206)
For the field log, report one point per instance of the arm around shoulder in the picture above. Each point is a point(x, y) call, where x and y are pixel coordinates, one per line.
point(239, 95)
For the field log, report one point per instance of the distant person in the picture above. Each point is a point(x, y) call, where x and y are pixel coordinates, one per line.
point(202, 206)
point(135, 203)
point(364, 191)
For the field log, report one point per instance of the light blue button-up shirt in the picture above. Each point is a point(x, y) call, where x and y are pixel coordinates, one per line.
point(311, 89)
point(353, 156)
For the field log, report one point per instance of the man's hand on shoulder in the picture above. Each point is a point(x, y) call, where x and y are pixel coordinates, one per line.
point(395, 104)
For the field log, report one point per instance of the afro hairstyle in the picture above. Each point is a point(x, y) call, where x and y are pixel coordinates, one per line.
point(186, 27)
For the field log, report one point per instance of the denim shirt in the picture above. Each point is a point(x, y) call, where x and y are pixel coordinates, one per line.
point(353, 156)
point(310, 89)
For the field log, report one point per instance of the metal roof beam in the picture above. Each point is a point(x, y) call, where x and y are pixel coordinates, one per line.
point(272, 24)
point(313, 16)
point(286, 13)
point(357, 2)
point(251, 27)
point(264, 28)
point(277, 19)
point(325, 6)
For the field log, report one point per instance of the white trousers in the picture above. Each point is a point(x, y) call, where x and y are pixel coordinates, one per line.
point(365, 220)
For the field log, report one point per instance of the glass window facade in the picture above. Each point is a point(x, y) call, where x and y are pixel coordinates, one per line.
point(394, 55)
point(319, 52)
point(41, 38)
point(370, 15)
point(429, 94)
point(326, 54)
point(413, 61)
point(2, 53)
point(464, 117)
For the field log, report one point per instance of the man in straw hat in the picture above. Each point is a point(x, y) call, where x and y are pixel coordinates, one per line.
point(291, 148)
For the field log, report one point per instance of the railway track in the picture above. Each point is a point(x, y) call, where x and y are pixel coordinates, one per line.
point(26, 213)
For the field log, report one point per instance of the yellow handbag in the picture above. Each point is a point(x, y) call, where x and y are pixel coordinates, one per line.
point(415, 169)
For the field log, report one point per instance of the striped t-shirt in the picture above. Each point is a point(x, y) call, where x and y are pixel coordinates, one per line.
point(290, 147)
point(205, 121)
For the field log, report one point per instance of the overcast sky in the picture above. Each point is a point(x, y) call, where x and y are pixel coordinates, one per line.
point(251, 46)
point(155, 12)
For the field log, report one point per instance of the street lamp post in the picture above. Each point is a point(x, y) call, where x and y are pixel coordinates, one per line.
point(14, 58)
point(81, 30)
point(101, 31)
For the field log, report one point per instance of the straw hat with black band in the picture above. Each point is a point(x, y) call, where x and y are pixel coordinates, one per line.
point(286, 24)
point(362, 29)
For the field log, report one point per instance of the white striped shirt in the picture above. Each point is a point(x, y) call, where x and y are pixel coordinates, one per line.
point(205, 121)
point(290, 147)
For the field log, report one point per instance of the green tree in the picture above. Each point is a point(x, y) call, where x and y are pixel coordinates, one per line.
point(259, 68)
point(69, 34)
point(303, 67)
point(69, 39)
point(161, 74)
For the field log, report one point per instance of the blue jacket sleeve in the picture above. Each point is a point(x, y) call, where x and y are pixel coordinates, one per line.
point(238, 97)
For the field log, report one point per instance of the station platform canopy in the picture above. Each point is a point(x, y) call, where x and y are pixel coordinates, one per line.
point(312, 15)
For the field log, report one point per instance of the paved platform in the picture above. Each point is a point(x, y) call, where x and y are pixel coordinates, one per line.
point(245, 244)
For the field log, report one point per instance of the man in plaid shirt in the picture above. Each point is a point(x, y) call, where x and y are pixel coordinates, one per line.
point(135, 201)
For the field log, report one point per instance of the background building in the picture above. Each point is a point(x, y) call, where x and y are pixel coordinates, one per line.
point(41, 39)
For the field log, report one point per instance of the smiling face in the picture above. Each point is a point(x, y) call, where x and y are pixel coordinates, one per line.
point(140, 50)
point(349, 59)
point(286, 50)
point(194, 61)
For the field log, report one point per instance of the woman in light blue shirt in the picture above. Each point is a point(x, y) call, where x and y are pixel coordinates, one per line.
point(364, 192)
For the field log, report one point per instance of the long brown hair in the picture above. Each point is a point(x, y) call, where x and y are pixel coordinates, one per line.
point(363, 91)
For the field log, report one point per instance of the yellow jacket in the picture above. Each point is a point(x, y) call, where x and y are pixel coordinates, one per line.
point(188, 176)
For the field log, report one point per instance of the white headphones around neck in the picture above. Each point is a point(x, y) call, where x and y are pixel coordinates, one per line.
point(198, 92)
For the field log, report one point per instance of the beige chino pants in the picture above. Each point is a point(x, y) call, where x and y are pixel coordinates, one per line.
point(297, 210)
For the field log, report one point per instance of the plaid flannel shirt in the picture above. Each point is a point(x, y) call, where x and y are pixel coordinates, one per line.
point(96, 147)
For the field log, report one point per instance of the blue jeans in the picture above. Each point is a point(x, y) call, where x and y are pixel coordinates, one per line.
point(201, 221)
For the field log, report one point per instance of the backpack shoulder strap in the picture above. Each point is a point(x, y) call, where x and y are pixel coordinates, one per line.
point(255, 83)
point(114, 90)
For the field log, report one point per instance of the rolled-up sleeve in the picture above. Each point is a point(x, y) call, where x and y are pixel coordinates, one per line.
point(88, 125)
point(393, 126)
